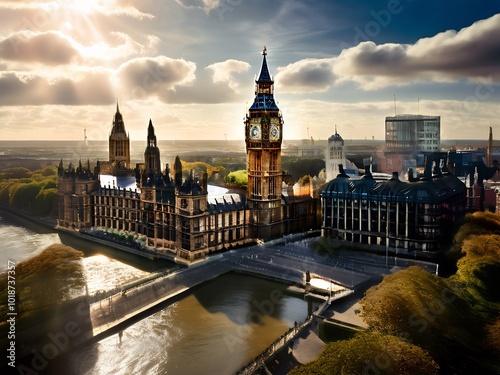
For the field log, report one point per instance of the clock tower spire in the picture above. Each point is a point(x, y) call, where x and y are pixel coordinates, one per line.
point(263, 136)
point(119, 142)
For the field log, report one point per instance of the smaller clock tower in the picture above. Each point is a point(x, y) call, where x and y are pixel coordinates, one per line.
point(119, 142)
point(263, 136)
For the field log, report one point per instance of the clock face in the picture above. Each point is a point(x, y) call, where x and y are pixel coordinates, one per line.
point(274, 133)
point(255, 132)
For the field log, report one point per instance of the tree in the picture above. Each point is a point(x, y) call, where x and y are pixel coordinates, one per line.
point(49, 278)
point(371, 353)
point(25, 195)
point(493, 336)
point(423, 308)
point(475, 224)
point(478, 272)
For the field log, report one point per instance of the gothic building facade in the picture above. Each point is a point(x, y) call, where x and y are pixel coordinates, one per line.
point(176, 215)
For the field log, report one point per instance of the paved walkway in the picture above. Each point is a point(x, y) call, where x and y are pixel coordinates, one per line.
point(307, 347)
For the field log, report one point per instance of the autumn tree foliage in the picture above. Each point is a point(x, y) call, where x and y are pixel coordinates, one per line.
point(456, 319)
point(492, 339)
point(479, 269)
point(419, 306)
point(371, 353)
point(49, 278)
point(476, 223)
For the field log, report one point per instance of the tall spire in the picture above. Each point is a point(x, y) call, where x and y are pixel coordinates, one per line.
point(118, 124)
point(151, 134)
point(264, 71)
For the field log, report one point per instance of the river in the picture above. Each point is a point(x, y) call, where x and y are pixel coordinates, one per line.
point(215, 329)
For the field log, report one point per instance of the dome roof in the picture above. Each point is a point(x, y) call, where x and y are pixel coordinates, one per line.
point(363, 187)
point(340, 186)
point(390, 189)
point(336, 137)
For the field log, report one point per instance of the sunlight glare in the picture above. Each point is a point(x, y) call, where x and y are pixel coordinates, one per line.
point(87, 6)
point(68, 26)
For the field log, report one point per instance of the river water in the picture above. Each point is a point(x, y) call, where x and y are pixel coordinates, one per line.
point(215, 329)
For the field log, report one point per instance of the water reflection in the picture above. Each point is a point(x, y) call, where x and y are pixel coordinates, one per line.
point(214, 330)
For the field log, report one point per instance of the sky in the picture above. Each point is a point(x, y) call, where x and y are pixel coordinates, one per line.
point(190, 66)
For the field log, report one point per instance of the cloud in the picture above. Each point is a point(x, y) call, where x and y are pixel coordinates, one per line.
point(118, 45)
point(50, 48)
point(105, 7)
point(472, 53)
point(223, 72)
point(206, 5)
point(145, 76)
point(308, 75)
point(90, 88)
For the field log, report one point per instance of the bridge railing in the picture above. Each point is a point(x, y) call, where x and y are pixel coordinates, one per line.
point(278, 344)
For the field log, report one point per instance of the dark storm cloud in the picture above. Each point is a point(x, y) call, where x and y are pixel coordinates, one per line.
point(47, 48)
point(90, 89)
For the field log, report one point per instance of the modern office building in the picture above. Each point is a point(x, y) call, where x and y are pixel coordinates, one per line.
point(406, 137)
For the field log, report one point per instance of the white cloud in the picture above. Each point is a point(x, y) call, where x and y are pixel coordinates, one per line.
point(472, 53)
point(50, 48)
point(144, 77)
point(54, 48)
point(119, 45)
point(105, 7)
point(308, 75)
point(224, 72)
point(85, 88)
point(206, 5)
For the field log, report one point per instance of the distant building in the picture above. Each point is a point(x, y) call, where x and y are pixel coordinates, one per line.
point(175, 215)
point(406, 137)
point(410, 133)
point(416, 215)
point(335, 156)
point(309, 148)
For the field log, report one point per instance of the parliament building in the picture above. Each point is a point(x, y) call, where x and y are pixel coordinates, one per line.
point(153, 208)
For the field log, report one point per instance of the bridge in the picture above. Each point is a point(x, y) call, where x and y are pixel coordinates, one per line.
point(92, 318)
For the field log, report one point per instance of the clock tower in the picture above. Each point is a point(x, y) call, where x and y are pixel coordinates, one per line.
point(263, 136)
point(119, 143)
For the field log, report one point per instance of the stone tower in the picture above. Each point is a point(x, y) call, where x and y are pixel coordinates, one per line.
point(263, 137)
point(152, 154)
point(335, 155)
point(119, 143)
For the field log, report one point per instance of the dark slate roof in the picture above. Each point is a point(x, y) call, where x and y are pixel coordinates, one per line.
point(427, 190)
point(390, 190)
point(264, 72)
point(339, 186)
point(336, 137)
point(363, 187)
point(191, 188)
point(225, 203)
point(264, 102)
